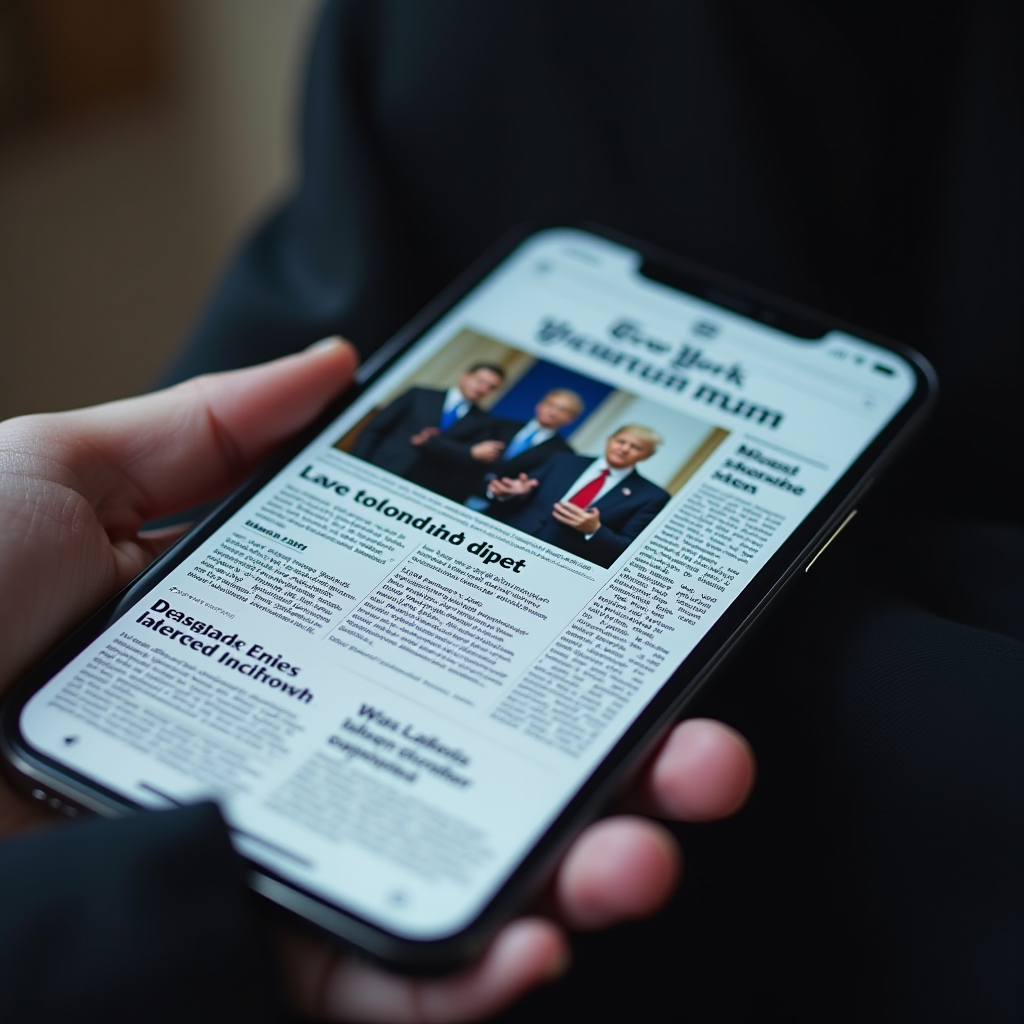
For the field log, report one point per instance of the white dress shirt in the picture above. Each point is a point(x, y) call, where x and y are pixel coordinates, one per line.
point(455, 399)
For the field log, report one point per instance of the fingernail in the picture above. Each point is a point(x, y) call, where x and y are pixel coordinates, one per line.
point(324, 344)
point(560, 965)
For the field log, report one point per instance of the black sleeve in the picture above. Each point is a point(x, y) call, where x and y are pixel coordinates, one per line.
point(381, 425)
point(607, 544)
point(453, 446)
point(453, 451)
point(147, 918)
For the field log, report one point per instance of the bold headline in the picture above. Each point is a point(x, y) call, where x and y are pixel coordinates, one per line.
point(251, 660)
point(482, 549)
point(754, 464)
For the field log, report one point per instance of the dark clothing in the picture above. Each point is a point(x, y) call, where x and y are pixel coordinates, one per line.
point(385, 440)
point(445, 464)
point(143, 919)
point(865, 158)
point(529, 459)
point(446, 458)
point(626, 510)
point(873, 876)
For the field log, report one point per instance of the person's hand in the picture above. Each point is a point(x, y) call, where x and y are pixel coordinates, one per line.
point(487, 451)
point(586, 520)
point(75, 490)
point(512, 487)
point(620, 868)
point(76, 487)
point(422, 436)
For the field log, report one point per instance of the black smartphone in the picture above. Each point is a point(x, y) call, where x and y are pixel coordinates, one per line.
point(412, 657)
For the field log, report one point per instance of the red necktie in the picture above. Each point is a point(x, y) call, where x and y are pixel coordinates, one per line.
point(589, 491)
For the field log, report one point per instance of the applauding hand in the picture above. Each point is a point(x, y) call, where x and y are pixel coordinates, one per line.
point(586, 520)
point(421, 437)
point(512, 487)
point(487, 451)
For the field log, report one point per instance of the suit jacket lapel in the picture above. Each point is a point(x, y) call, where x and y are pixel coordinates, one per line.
point(554, 482)
point(468, 424)
point(611, 498)
point(433, 408)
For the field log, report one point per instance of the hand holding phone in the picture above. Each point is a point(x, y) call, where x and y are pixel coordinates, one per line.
point(109, 469)
point(408, 699)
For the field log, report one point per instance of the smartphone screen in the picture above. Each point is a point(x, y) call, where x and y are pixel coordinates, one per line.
point(398, 662)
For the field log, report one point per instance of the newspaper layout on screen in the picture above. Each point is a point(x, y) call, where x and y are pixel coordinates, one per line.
point(396, 664)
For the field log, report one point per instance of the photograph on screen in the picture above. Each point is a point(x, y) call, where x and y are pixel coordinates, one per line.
point(561, 456)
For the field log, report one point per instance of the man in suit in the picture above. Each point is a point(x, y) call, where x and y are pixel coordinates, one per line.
point(394, 438)
point(594, 508)
point(460, 462)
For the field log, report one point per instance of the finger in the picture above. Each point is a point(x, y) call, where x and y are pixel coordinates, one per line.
point(618, 869)
point(704, 770)
point(184, 445)
point(526, 953)
point(567, 515)
point(573, 524)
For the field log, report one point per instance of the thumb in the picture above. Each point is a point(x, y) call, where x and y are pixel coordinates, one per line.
point(175, 448)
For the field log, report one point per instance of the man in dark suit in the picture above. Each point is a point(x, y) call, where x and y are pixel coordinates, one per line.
point(460, 462)
point(394, 438)
point(594, 508)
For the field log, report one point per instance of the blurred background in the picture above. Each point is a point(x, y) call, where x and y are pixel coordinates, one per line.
point(139, 140)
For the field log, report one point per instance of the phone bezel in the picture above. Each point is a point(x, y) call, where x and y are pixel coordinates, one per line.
point(35, 769)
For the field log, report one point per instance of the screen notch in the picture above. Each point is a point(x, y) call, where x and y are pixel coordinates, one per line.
point(804, 328)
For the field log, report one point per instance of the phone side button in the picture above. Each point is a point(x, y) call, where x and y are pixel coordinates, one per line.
point(56, 803)
point(835, 533)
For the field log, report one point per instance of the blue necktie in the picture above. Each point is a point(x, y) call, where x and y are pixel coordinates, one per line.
point(519, 445)
point(450, 416)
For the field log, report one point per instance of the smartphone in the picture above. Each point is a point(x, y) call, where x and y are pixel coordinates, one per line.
point(421, 649)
